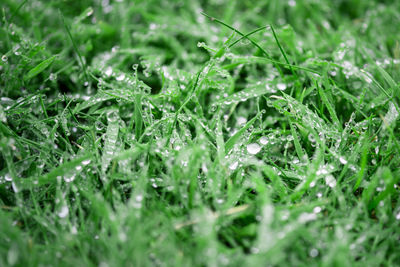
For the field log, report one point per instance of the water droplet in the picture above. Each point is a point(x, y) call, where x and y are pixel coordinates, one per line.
point(263, 140)
point(281, 86)
point(99, 126)
point(204, 167)
point(69, 177)
point(317, 209)
point(109, 71)
point(112, 116)
point(322, 170)
point(8, 177)
point(139, 198)
point(314, 253)
point(342, 160)
point(241, 120)
point(330, 181)
point(253, 148)
point(120, 77)
point(63, 212)
point(285, 215)
point(85, 162)
point(53, 77)
point(220, 200)
point(245, 41)
point(4, 58)
point(234, 165)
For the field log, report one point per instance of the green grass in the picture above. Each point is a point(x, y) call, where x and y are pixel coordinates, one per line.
point(199, 133)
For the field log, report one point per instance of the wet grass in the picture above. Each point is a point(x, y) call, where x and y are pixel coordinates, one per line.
point(205, 133)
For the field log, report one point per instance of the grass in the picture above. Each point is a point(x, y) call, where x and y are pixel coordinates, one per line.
point(205, 133)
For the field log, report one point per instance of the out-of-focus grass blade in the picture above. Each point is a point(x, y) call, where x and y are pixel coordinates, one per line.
point(51, 177)
point(101, 96)
point(277, 183)
point(39, 68)
point(386, 175)
point(328, 104)
point(388, 79)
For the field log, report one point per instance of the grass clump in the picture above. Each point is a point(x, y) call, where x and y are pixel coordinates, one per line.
point(206, 133)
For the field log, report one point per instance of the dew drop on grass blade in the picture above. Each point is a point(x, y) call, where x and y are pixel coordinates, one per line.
point(111, 137)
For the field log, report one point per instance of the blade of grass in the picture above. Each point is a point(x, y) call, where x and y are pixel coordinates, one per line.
point(39, 68)
point(234, 138)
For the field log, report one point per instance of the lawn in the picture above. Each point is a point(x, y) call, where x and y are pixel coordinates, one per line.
point(199, 133)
